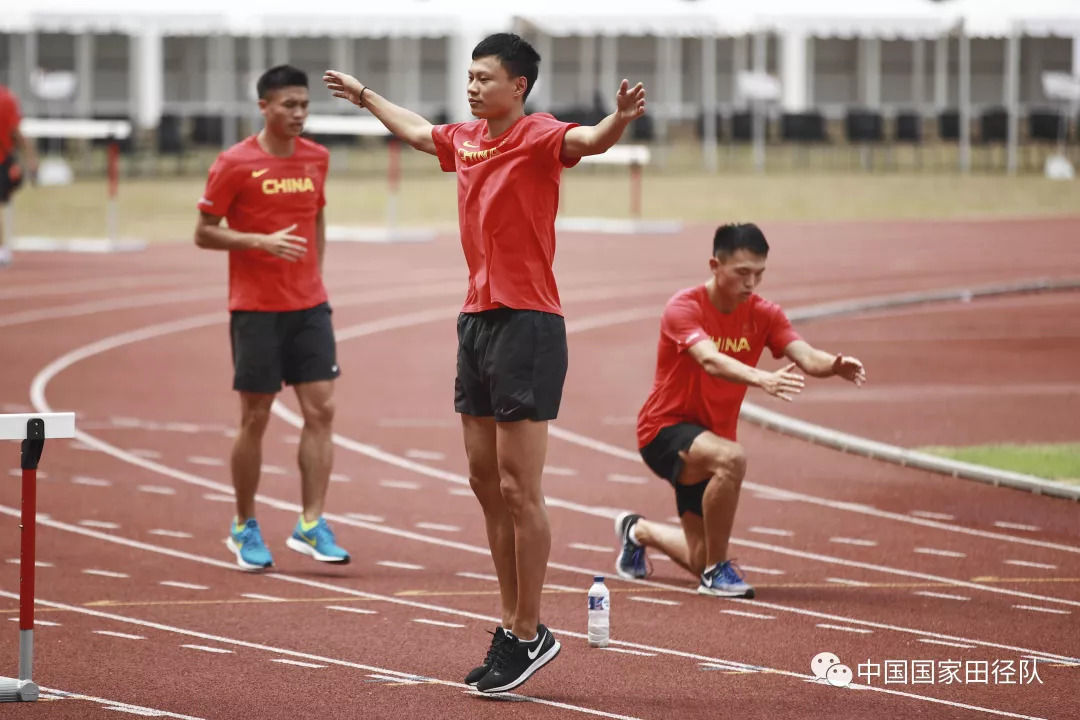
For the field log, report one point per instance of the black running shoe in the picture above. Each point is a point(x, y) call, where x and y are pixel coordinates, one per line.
point(515, 661)
point(477, 673)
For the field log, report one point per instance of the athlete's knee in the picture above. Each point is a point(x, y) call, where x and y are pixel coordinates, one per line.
point(320, 413)
point(254, 417)
point(517, 492)
point(485, 482)
point(729, 463)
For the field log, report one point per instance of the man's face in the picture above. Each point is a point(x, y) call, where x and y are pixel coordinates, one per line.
point(285, 110)
point(492, 92)
point(738, 275)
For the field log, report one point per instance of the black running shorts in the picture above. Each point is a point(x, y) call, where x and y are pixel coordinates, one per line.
point(511, 364)
point(10, 178)
point(270, 348)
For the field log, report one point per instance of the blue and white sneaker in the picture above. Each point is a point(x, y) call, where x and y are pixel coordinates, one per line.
point(318, 542)
point(724, 580)
point(247, 542)
point(631, 561)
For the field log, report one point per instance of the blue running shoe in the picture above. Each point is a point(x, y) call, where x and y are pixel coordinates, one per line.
point(631, 561)
point(318, 542)
point(247, 543)
point(724, 580)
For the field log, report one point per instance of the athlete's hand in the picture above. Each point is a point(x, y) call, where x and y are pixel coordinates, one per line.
point(630, 102)
point(283, 245)
point(849, 368)
point(343, 85)
point(783, 383)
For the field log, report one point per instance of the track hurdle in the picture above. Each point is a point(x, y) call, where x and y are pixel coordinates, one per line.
point(634, 157)
point(32, 430)
point(369, 126)
point(54, 171)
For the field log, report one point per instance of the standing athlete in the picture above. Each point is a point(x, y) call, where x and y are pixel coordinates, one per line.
point(270, 189)
point(512, 353)
point(11, 174)
point(711, 337)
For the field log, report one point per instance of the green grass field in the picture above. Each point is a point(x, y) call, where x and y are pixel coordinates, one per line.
point(1056, 462)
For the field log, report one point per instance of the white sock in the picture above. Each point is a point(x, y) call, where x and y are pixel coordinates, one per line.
point(529, 641)
point(633, 535)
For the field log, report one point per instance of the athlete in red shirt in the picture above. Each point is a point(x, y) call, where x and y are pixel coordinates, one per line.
point(512, 355)
point(11, 174)
point(269, 188)
point(711, 337)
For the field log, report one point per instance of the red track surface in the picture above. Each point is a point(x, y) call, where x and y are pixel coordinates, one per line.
point(849, 553)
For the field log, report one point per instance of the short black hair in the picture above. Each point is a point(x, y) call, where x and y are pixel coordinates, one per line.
point(514, 53)
point(739, 236)
point(280, 76)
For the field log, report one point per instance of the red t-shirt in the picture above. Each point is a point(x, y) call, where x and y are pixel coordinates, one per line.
point(9, 122)
point(508, 195)
point(260, 193)
point(682, 390)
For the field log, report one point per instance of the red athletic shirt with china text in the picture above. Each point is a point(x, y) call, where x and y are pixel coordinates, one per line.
point(682, 391)
point(9, 122)
point(261, 193)
point(508, 195)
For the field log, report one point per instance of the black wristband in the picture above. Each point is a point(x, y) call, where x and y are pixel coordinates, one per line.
point(360, 99)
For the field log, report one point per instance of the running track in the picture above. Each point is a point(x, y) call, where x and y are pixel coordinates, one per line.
point(867, 560)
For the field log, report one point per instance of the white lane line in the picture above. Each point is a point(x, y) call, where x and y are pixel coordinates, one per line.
point(438, 527)
point(90, 482)
point(298, 663)
point(424, 455)
point(947, 644)
point(861, 631)
point(566, 472)
point(1034, 608)
point(146, 453)
point(124, 636)
point(273, 470)
point(105, 573)
point(357, 610)
point(629, 652)
point(854, 541)
point(942, 596)
point(37, 563)
point(399, 565)
point(17, 472)
point(172, 533)
point(1017, 526)
point(740, 613)
point(339, 478)
point(772, 531)
point(1026, 563)
point(47, 623)
point(627, 479)
point(183, 585)
point(400, 484)
point(655, 601)
point(462, 492)
point(257, 596)
point(437, 623)
point(591, 548)
point(940, 553)
point(219, 497)
point(561, 588)
point(763, 571)
point(157, 490)
point(845, 581)
point(206, 461)
point(102, 524)
point(478, 576)
point(366, 518)
point(927, 515)
point(204, 648)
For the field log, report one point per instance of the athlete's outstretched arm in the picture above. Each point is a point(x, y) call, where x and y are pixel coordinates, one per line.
point(596, 139)
point(782, 384)
point(407, 125)
point(820, 364)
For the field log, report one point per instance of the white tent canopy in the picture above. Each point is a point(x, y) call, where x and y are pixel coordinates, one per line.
point(886, 19)
point(1038, 18)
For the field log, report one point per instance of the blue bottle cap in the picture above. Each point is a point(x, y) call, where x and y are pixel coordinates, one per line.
point(598, 578)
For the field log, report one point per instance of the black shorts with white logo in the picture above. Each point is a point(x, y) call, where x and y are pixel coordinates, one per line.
point(10, 178)
point(511, 364)
point(662, 452)
point(293, 347)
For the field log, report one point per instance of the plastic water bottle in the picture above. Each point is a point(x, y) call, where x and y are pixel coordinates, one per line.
point(599, 613)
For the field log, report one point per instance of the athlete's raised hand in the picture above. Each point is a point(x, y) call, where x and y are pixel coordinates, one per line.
point(849, 368)
point(283, 245)
point(783, 383)
point(343, 85)
point(630, 101)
